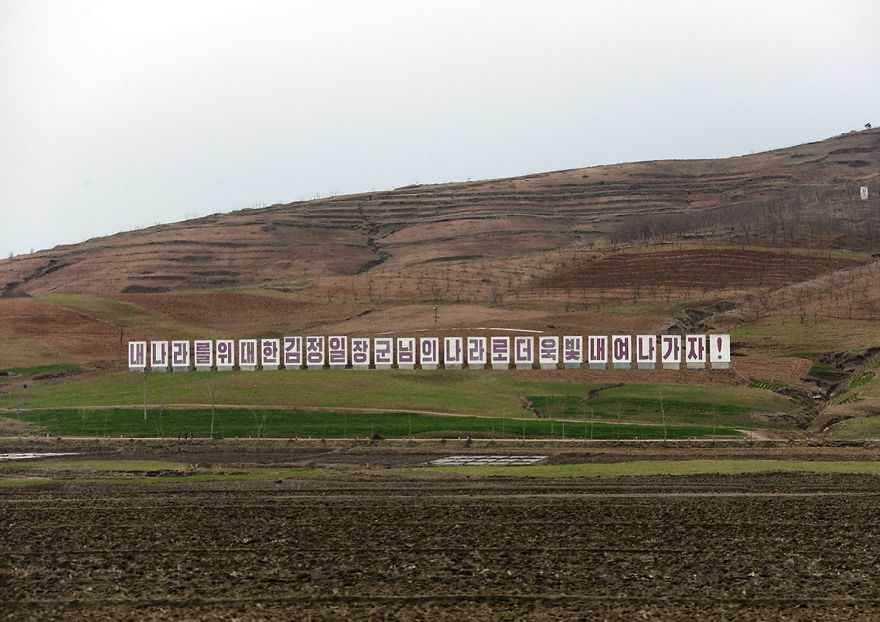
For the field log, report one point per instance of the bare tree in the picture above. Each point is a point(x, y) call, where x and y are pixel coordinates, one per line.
point(260, 418)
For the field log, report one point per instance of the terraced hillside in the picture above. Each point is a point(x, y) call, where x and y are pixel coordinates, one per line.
point(669, 270)
point(418, 232)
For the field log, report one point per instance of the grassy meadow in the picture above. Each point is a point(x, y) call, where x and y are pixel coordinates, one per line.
point(481, 396)
point(283, 423)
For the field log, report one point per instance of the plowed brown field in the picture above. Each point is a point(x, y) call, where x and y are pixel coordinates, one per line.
point(697, 268)
point(361, 545)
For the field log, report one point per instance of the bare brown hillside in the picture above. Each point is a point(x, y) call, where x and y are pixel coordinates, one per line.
point(488, 240)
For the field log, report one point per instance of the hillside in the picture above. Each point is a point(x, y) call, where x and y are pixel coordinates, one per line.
point(775, 248)
point(427, 237)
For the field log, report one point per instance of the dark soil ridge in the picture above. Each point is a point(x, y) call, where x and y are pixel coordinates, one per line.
point(396, 451)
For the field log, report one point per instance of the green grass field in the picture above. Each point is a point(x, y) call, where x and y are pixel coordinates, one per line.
point(256, 422)
point(826, 372)
point(479, 393)
point(681, 404)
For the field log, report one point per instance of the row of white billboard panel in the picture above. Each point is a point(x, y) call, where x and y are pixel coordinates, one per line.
point(495, 352)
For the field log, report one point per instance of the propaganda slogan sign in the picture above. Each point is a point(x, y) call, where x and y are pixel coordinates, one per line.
point(470, 352)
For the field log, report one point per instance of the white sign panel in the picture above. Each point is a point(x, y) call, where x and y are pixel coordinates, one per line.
point(621, 351)
point(695, 351)
point(159, 356)
point(719, 351)
point(203, 354)
point(572, 351)
point(360, 352)
point(597, 351)
point(548, 352)
point(453, 353)
point(315, 352)
point(225, 354)
point(863, 193)
point(646, 351)
point(137, 355)
point(670, 351)
point(406, 352)
point(499, 352)
point(383, 348)
point(180, 355)
point(270, 353)
point(429, 352)
point(337, 351)
point(247, 354)
point(293, 352)
point(523, 352)
point(476, 352)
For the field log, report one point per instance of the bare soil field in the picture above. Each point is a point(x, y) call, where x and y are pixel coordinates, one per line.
point(241, 314)
point(696, 268)
point(73, 334)
point(416, 545)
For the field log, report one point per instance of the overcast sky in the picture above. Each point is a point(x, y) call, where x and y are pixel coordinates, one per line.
point(122, 114)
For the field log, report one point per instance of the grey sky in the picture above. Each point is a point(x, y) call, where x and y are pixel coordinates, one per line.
point(121, 114)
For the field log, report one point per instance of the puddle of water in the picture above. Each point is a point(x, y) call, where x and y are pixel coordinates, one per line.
point(32, 456)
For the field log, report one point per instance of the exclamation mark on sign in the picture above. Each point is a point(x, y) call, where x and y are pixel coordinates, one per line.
point(719, 348)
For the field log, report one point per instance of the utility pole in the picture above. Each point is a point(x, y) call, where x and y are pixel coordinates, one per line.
point(435, 318)
point(145, 394)
point(121, 345)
